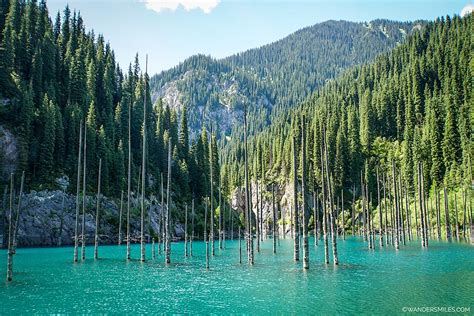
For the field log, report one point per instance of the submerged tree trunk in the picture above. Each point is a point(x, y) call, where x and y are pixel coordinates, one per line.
point(96, 237)
point(331, 203)
point(129, 177)
point(206, 240)
point(257, 224)
point(240, 247)
point(186, 230)
point(142, 217)
point(464, 194)
point(10, 227)
point(211, 228)
point(296, 246)
point(120, 219)
point(83, 239)
point(385, 208)
point(446, 213)
point(192, 230)
point(395, 200)
point(163, 224)
point(421, 196)
point(407, 206)
point(247, 197)
point(315, 217)
point(324, 203)
point(274, 219)
point(400, 203)
point(380, 209)
point(304, 193)
point(438, 214)
point(153, 255)
point(78, 190)
point(456, 216)
point(353, 212)
point(342, 207)
point(168, 204)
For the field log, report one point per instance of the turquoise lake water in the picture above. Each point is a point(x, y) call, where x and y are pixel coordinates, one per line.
point(379, 281)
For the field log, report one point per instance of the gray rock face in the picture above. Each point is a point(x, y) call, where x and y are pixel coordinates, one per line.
point(44, 221)
point(283, 195)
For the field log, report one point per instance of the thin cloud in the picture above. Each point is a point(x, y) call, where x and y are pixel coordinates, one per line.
point(468, 8)
point(160, 5)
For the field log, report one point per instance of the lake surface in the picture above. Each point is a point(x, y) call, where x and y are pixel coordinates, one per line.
point(378, 281)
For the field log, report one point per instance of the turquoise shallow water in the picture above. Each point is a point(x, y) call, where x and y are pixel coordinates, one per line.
point(380, 281)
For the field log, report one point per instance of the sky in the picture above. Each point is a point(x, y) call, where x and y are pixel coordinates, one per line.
point(169, 31)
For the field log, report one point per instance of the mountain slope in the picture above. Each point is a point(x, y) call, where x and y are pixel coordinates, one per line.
point(275, 76)
point(412, 105)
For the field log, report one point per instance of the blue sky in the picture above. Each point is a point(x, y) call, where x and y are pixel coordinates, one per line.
point(169, 31)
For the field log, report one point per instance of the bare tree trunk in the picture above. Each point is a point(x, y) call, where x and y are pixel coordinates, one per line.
point(129, 177)
point(78, 190)
point(380, 209)
point(304, 193)
point(163, 224)
point(296, 251)
point(324, 203)
point(342, 207)
point(206, 240)
point(120, 219)
point(17, 218)
point(438, 214)
point(364, 210)
point(420, 196)
point(385, 207)
point(446, 212)
point(464, 194)
point(192, 230)
point(395, 200)
point(283, 218)
point(231, 223)
point(407, 206)
point(400, 207)
point(211, 228)
point(186, 230)
point(274, 219)
point(257, 226)
point(240, 247)
point(168, 204)
point(10, 227)
point(261, 207)
point(142, 215)
point(96, 238)
point(416, 215)
point(456, 224)
point(247, 197)
point(425, 211)
point(353, 211)
point(315, 217)
point(153, 255)
point(84, 187)
point(392, 223)
point(220, 214)
point(331, 203)
point(223, 224)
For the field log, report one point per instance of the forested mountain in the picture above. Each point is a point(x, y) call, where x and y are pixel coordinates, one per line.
point(53, 76)
point(276, 76)
point(413, 104)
